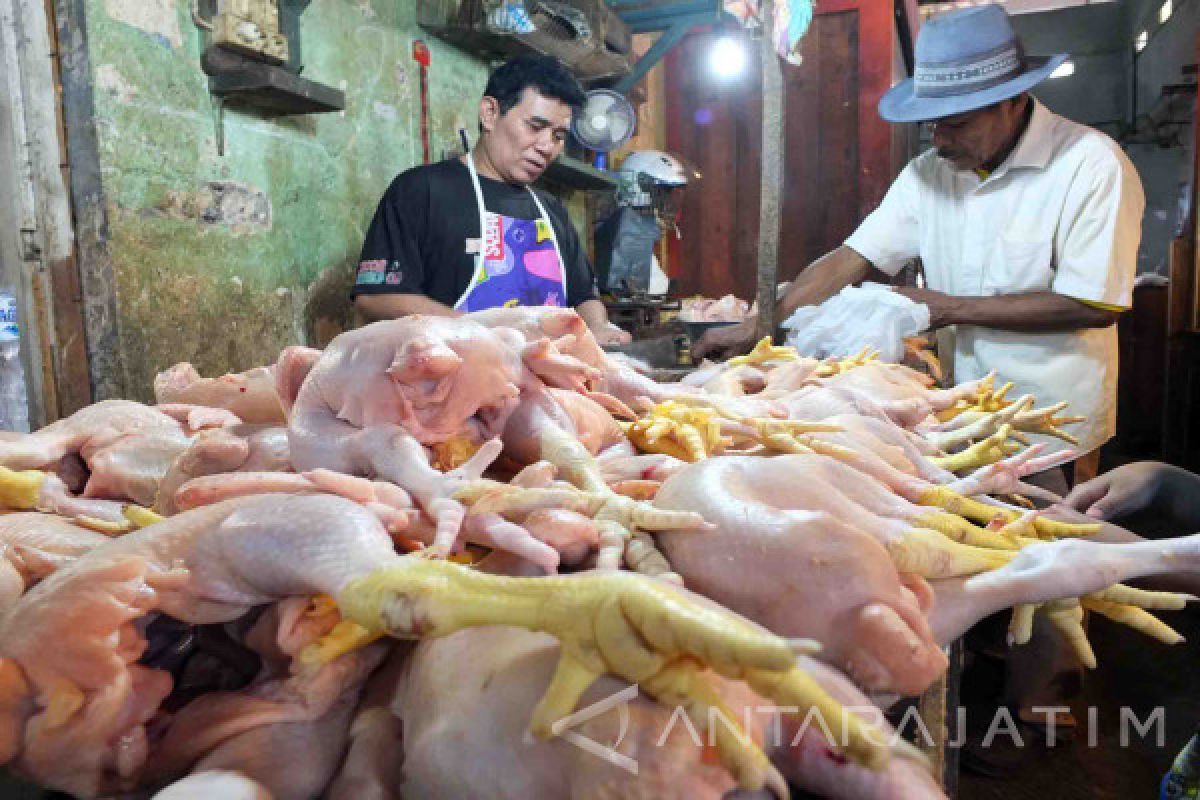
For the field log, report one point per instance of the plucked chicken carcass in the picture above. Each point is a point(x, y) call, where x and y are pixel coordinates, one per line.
point(816, 534)
point(463, 703)
point(240, 449)
point(259, 396)
point(115, 450)
point(394, 399)
point(33, 545)
point(85, 716)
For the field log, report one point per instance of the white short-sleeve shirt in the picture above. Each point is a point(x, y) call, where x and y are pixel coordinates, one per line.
point(1063, 214)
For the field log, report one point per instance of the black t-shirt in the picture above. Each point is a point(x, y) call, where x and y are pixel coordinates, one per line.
point(417, 242)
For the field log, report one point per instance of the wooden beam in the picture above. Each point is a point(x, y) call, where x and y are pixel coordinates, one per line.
point(771, 204)
point(59, 311)
point(96, 273)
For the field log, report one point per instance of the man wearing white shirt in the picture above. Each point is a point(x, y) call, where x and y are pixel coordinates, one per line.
point(1027, 225)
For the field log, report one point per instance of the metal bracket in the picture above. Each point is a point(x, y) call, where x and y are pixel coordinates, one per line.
point(675, 20)
point(30, 249)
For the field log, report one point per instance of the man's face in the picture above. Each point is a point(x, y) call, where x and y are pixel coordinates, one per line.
point(971, 140)
point(522, 142)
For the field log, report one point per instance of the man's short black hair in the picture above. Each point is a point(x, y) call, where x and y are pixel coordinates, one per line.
point(546, 74)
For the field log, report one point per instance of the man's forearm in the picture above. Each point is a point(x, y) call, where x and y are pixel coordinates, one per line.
point(821, 280)
point(393, 306)
point(1032, 312)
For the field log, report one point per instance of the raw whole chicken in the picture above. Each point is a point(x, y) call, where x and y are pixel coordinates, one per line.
point(34, 545)
point(118, 450)
point(235, 648)
point(85, 716)
point(840, 559)
point(463, 703)
point(241, 449)
point(260, 396)
point(393, 399)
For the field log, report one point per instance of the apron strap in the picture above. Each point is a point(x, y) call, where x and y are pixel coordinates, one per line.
point(479, 257)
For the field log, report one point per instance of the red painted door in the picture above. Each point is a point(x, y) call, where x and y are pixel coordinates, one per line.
point(839, 152)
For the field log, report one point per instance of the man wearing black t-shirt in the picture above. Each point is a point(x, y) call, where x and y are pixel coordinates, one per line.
point(470, 233)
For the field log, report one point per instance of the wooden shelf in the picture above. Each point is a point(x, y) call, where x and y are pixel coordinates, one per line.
point(575, 174)
point(461, 23)
point(274, 90)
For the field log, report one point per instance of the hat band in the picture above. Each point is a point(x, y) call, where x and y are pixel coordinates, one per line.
point(951, 80)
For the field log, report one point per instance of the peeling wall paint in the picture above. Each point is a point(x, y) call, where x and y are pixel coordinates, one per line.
point(108, 79)
point(156, 17)
point(222, 261)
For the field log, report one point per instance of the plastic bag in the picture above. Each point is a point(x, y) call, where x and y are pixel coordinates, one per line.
point(871, 315)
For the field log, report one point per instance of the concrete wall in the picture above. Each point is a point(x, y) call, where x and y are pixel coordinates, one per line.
point(1097, 94)
point(1171, 46)
point(223, 260)
point(1164, 169)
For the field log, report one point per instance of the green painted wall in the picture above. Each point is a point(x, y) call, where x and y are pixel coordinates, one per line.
point(229, 294)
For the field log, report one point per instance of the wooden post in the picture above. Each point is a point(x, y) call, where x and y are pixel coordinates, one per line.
point(771, 206)
point(97, 275)
point(938, 708)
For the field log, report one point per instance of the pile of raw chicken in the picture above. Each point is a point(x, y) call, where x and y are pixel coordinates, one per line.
point(373, 571)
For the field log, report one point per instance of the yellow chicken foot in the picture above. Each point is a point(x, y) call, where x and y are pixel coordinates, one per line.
point(837, 366)
point(1124, 595)
point(685, 431)
point(977, 426)
point(611, 551)
point(643, 556)
point(1123, 604)
point(933, 556)
point(136, 517)
point(643, 631)
point(981, 454)
point(963, 531)
point(1020, 627)
point(687, 686)
point(763, 353)
point(21, 490)
point(986, 400)
point(1131, 616)
point(1046, 421)
point(501, 498)
point(637, 550)
point(1067, 618)
point(980, 512)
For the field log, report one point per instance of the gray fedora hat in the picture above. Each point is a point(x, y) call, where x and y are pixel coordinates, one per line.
point(965, 60)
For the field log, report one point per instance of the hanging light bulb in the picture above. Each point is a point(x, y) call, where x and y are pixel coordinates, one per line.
point(727, 59)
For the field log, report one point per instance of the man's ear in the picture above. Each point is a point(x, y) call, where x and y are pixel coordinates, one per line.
point(489, 113)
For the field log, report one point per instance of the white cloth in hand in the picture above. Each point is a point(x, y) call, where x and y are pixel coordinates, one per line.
point(871, 315)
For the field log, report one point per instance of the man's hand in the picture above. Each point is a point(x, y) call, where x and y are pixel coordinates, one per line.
point(939, 304)
point(1123, 491)
point(610, 335)
point(726, 341)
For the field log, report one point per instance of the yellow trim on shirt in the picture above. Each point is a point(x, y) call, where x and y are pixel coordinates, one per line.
point(1103, 306)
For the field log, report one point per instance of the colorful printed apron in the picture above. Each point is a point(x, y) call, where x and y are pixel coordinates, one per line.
point(518, 264)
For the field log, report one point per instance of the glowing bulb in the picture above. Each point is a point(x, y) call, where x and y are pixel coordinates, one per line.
point(1140, 43)
point(727, 59)
point(1164, 12)
point(1065, 70)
